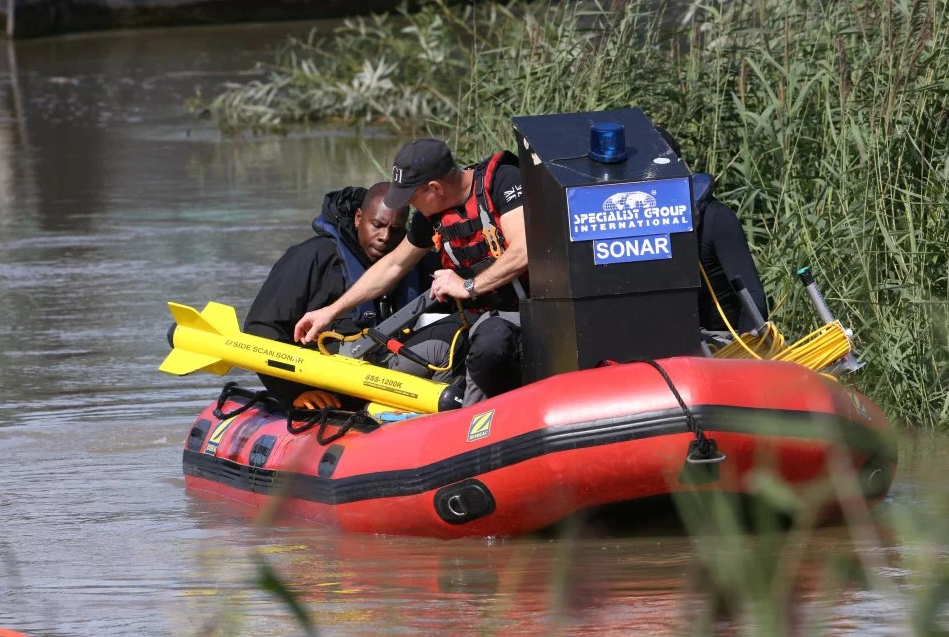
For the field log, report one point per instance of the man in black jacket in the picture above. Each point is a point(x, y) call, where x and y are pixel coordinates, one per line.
point(724, 255)
point(354, 231)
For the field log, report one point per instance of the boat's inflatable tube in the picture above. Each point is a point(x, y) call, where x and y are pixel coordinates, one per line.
point(527, 459)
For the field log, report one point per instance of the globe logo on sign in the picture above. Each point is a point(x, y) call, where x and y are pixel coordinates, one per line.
point(625, 201)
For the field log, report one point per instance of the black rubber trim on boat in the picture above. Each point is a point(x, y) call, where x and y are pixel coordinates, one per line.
point(797, 425)
point(464, 501)
point(329, 460)
point(261, 450)
point(198, 433)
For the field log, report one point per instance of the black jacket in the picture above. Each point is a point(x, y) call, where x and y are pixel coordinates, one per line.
point(724, 254)
point(307, 277)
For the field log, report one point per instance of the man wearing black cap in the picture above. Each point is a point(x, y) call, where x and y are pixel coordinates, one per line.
point(474, 218)
point(354, 230)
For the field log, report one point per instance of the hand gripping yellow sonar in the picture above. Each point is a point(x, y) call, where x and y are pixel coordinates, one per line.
point(212, 341)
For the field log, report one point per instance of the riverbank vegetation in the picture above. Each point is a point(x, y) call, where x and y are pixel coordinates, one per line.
point(826, 126)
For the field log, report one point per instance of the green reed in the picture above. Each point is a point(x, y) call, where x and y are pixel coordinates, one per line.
point(825, 125)
point(370, 70)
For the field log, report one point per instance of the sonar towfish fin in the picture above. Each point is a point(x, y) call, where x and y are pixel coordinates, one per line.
point(222, 317)
point(180, 362)
point(215, 319)
point(211, 341)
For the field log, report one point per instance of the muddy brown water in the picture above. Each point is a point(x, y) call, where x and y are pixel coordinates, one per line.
point(113, 201)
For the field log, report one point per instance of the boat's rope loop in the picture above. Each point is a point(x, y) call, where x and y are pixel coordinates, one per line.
point(702, 450)
point(309, 418)
point(231, 389)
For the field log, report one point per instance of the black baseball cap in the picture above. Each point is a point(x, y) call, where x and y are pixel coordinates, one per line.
point(416, 164)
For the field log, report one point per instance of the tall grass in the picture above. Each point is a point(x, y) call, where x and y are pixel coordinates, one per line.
point(825, 124)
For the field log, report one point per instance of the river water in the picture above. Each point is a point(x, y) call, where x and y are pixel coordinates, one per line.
point(113, 201)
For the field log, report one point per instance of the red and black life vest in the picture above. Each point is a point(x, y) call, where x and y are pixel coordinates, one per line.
point(469, 238)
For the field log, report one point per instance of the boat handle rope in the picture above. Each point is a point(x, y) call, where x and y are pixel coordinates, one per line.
point(310, 418)
point(231, 389)
point(702, 450)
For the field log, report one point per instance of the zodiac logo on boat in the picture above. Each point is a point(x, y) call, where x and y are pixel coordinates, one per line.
point(217, 435)
point(480, 426)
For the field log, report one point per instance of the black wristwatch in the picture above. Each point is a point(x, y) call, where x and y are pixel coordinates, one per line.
point(469, 288)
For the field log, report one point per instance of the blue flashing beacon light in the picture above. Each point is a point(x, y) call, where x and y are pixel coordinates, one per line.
point(607, 143)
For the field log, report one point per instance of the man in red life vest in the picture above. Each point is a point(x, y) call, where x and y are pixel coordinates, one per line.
point(474, 218)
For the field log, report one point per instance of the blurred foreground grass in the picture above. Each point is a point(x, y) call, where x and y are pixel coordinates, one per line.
point(758, 567)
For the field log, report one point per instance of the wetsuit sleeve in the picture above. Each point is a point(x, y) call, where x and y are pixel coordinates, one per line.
point(506, 191)
point(420, 230)
point(731, 248)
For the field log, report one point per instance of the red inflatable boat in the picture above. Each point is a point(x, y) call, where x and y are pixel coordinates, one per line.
point(527, 459)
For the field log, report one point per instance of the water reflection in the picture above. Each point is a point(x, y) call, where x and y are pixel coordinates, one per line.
point(648, 585)
point(103, 117)
point(15, 169)
point(365, 585)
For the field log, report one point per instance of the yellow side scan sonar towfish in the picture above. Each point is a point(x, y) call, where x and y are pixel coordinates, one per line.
point(212, 341)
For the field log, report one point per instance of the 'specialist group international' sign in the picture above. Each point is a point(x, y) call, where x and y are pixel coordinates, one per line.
point(631, 221)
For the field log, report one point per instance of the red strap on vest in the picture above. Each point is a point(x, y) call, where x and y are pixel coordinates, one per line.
point(469, 215)
point(492, 234)
point(488, 177)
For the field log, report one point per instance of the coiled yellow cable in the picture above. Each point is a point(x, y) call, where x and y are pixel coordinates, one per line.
point(454, 340)
point(818, 350)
